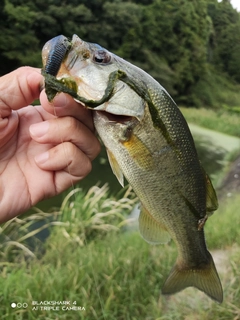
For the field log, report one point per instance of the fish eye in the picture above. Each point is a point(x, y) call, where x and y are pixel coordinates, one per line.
point(102, 57)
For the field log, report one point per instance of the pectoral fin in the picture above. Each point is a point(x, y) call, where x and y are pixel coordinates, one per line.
point(115, 167)
point(151, 230)
point(139, 152)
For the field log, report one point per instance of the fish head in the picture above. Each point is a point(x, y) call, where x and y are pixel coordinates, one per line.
point(87, 68)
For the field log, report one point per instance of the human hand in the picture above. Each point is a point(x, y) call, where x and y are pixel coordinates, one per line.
point(43, 149)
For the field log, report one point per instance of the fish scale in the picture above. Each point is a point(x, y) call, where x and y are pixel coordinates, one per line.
point(148, 141)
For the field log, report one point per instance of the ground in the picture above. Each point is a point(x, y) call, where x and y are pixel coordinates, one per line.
point(231, 182)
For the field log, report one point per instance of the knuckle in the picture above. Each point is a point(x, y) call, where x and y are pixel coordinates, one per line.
point(87, 166)
point(72, 124)
point(93, 149)
point(68, 126)
point(69, 150)
point(77, 160)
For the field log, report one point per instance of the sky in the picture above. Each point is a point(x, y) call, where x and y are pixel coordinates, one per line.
point(236, 4)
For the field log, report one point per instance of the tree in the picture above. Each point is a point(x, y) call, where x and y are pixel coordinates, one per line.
point(178, 32)
point(27, 25)
point(15, 43)
point(226, 42)
point(179, 42)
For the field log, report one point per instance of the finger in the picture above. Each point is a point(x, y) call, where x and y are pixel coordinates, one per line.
point(66, 129)
point(68, 162)
point(19, 89)
point(64, 105)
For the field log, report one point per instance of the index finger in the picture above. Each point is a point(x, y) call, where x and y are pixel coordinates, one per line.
point(18, 89)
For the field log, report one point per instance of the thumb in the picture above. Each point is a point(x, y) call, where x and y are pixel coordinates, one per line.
point(19, 89)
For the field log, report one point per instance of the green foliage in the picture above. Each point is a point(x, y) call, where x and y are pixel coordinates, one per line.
point(183, 31)
point(219, 231)
point(119, 276)
point(16, 44)
point(182, 44)
point(226, 41)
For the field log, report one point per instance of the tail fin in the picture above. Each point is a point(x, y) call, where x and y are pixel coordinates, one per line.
point(205, 279)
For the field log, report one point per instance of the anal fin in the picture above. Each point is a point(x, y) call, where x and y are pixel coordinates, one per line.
point(151, 230)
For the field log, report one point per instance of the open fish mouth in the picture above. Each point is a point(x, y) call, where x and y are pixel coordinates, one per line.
point(115, 118)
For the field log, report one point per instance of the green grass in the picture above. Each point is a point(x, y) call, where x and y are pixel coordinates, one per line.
point(105, 277)
point(116, 274)
point(222, 228)
point(216, 119)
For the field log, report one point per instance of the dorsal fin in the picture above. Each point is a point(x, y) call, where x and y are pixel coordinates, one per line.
point(211, 197)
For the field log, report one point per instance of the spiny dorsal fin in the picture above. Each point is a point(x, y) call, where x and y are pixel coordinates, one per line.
point(151, 230)
point(115, 167)
point(211, 197)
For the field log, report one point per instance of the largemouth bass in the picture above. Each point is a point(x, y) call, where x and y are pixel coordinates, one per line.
point(148, 141)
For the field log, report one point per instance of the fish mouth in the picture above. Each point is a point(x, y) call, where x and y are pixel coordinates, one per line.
point(115, 118)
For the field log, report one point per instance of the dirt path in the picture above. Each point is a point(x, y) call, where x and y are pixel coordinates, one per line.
point(227, 142)
point(231, 182)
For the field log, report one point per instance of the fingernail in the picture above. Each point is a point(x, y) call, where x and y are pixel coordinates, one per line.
point(43, 157)
point(39, 129)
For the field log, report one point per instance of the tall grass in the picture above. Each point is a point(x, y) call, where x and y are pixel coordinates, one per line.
point(80, 217)
point(222, 229)
point(91, 215)
point(114, 274)
point(17, 234)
